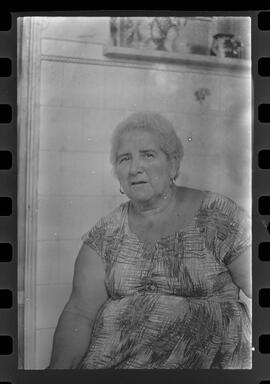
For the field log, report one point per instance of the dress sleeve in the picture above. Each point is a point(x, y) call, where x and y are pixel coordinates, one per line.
point(104, 236)
point(241, 239)
point(233, 235)
point(226, 227)
point(95, 238)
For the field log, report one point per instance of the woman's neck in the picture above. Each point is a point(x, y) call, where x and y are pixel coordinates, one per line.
point(150, 208)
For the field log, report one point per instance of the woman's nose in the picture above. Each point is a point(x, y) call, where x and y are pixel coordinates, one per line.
point(135, 166)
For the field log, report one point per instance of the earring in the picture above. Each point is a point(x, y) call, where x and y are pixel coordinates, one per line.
point(172, 180)
point(121, 190)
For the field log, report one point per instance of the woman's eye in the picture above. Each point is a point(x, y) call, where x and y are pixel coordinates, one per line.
point(149, 155)
point(123, 159)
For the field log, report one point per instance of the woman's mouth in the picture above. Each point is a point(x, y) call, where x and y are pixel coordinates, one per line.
point(134, 183)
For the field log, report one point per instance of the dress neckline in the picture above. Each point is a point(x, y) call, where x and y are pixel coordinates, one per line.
point(125, 226)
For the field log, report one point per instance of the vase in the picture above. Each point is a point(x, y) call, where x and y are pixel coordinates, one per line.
point(226, 45)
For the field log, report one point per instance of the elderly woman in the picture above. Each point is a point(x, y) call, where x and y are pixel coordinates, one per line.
point(157, 281)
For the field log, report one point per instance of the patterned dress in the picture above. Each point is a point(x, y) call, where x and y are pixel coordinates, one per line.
point(172, 305)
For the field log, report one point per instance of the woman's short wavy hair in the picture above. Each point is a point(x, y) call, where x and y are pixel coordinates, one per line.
point(156, 124)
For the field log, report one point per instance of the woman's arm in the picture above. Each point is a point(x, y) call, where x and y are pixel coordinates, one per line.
point(240, 269)
point(73, 331)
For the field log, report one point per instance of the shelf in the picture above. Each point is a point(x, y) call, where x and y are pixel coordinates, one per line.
point(194, 60)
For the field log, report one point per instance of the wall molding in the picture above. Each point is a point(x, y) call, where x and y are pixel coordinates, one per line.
point(148, 65)
point(75, 40)
point(28, 137)
point(74, 59)
point(203, 62)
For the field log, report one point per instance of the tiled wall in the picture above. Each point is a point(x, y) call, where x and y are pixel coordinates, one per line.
point(80, 104)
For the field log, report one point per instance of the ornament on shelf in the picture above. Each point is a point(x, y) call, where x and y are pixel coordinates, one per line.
point(154, 33)
point(226, 45)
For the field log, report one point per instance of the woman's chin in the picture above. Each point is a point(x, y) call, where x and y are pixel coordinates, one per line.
point(140, 196)
point(140, 199)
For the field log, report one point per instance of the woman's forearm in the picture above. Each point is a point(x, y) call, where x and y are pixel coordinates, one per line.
point(74, 328)
point(71, 340)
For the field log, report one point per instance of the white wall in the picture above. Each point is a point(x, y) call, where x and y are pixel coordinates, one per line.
point(83, 96)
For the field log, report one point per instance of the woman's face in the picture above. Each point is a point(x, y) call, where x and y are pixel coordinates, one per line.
point(142, 168)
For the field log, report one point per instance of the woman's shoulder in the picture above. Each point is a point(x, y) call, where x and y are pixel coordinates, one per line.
point(113, 219)
point(217, 201)
point(190, 199)
point(210, 200)
point(106, 227)
point(221, 215)
point(215, 204)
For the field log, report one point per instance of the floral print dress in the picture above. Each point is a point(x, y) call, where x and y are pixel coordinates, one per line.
point(172, 305)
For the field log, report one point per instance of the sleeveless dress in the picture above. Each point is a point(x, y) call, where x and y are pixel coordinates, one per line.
point(172, 305)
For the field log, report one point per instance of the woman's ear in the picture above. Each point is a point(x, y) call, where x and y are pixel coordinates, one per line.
point(174, 167)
